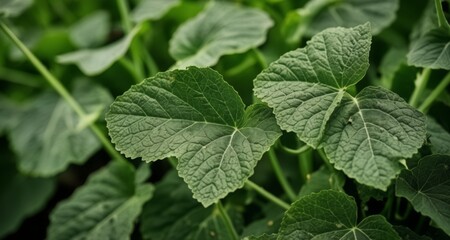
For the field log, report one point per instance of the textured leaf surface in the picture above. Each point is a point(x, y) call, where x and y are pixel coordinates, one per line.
point(362, 135)
point(197, 117)
point(95, 61)
point(427, 187)
point(322, 179)
point(349, 13)
point(152, 9)
point(13, 8)
point(48, 135)
point(439, 137)
point(92, 30)
point(222, 28)
point(104, 208)
point(432, 50)
point(20, 196)
point(173, 214)
point(332, 215)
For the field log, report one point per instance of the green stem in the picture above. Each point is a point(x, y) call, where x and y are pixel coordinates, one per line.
point(442, 21)
point(267, 195)
point(128, 65)
point(227, 220)
point(325, 159)
point(135, 44)
point(19, 77)
point(173, 161)
point(421, 83)
point(280, 175)
point(305, 163)
point(150, 63)
point(401, 217)
point(291, 151)
point(435, 94)
point(260, 58)
point(55, 83)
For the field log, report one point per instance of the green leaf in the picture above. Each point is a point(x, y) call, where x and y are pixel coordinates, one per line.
point(106, 207)
point(439, 137)
point(9, 113)
point(197, 117)
point(95, 61)
point(407, 234)
point(427, 187)
point(270, 223)
point(173, 214)
point(92, 30)
point(432, 50)
point(152, 9)
point(13, 8)
point(222, 28)
point(48, 137)
point(264, 236)
point(322, 179)
point(391, 63)
point(332, 215)
point(362, 135)
point(20, 196)
point(349, 13)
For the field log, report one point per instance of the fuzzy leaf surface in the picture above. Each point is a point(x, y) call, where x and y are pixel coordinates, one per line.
point(427, 187)
point(222, 28)
point(197, 117)
point(49, 135)
point(152, 9)
point(106, 207)
point(331, 215)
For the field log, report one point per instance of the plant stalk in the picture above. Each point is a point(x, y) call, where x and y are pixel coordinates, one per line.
point(291, 151)
point(435, 94)
point(55, 83)
point(442, 21)
point(421, 84)
point(228, 223)
point(280, 175)
point(267, 195)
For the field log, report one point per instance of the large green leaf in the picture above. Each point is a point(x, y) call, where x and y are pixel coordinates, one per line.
point(349, 13)
point(95, 61)
point(173, 214)
point(427, 187)
point(106, 207)
point(49, 135)
point(92, 30)
point(20, 196)
point(197, 117)
point(222, 28)
point(13, 8)
point(439, 137)
point(431, 51)
point(363, 135)
point(322, 179)
point(332, 215)
point(152, 9)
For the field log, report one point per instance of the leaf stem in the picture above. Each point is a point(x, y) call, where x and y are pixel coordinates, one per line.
point(267, 195)
point(325, 159)
point(421, 83)
point(407, 212)
point(293, 151)
point(435, 94)
point(442, 21)
point(260, 58)
point(128, 65)
point(280, 175)
point(305, 164)
point(55, 83)
point(228, 223)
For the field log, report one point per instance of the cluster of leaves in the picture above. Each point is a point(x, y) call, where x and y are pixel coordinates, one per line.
point(357, 160)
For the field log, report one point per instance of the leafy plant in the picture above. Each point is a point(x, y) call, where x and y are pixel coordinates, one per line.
point(319, 119)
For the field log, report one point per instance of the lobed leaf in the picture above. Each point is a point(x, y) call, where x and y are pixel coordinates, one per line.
point(197, 117)
point(152, 9)
point(331, 215)
point(362, 135)
point(222, 28)
point(49, 135)
point(427, 187)
point(106, 207)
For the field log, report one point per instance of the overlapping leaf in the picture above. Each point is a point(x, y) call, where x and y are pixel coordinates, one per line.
point(104, 208)
point(363, 135)
point(427, 187)
point(331, 215)
point(49, 135)
point(197, 117)
point(152, 9)
point(439, 137)
point(222, 28)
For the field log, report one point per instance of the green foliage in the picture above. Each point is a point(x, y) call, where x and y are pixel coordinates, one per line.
point(278, 119)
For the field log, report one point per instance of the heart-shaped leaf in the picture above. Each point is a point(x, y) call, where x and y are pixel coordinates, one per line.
point(363, 135)
point(197, 117)
point(222, 28)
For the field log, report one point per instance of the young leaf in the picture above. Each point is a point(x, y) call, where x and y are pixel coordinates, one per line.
point(427, 187)
point(222, 28)
point(197, 117)
point(431, 50)
point(20, 196)
point(104, 208)
point(95, 61)
point(439, 137)
point(48, 136)
point(13, 8)
point(362, 135)
point(173, 214)
point(349, 13)
point(152, 9)
point(332, 215)
point(91, 31)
